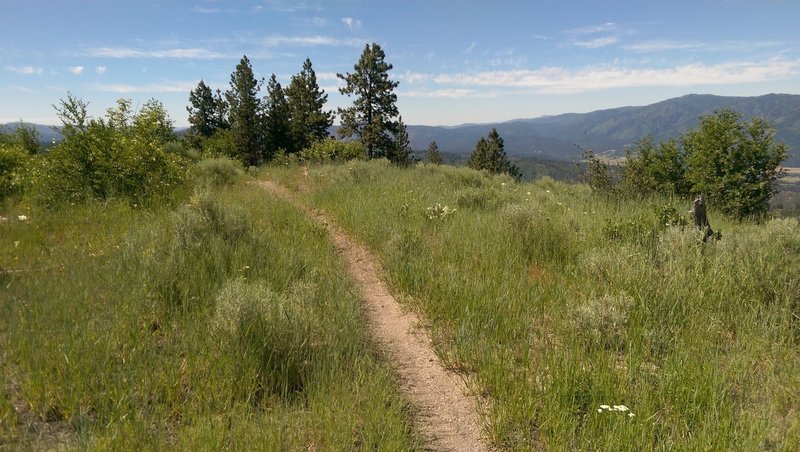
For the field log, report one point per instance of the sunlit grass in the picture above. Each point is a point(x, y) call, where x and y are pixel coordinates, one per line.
point(560, 301)
point(223, 322)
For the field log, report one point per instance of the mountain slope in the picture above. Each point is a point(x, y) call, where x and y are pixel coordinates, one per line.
point(613, 129)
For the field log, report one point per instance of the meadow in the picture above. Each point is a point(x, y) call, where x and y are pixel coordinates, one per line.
point(586, 322)
point(218, 320)
point(223, 319)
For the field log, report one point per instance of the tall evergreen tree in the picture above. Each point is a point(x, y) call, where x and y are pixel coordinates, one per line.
point(434, 154)
point(276, 119)
point(207, 112)
point(490, 155)
point(372, 116)
point(400, 153)
point(309, 122)
point(244, 113)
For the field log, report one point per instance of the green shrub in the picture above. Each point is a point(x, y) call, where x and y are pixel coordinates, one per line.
point(217, 172)
point(541, 236)
point(121, 156)
point(602, 321)
point(13, 162)
point(272, 334)
point(330, 149)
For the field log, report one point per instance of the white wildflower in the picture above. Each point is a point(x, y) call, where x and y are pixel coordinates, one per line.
point(22, 217)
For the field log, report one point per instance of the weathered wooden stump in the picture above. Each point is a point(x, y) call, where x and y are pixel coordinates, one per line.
point(701, 218)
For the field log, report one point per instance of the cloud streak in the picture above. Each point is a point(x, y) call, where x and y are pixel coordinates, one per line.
point(197, 53)
point(25, 70)
point(166, 87)
point(310, 41)
point(593, 78)
point(77, 70)
point(351, 23)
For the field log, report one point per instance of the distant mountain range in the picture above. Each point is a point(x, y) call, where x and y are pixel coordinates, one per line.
point(610, 131)
point(604, 131)
point(47, 133)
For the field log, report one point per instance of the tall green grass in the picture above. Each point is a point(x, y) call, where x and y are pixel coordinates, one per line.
point(560, 301)
point(225, 322)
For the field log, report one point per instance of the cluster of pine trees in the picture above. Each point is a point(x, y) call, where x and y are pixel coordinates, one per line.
point(288, 120)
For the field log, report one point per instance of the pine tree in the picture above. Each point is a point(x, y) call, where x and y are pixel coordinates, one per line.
point(309, 122)
point(201, 111)
point(490, 155)
point(400, 153)
point(372, 116)
point(207, 112)
point(244, 113)
point(276, 119)
point(434, 155)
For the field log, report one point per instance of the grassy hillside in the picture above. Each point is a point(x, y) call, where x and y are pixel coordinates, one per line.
point(222, 323)
point(558, 302)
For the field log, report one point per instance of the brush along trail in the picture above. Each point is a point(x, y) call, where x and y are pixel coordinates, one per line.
point(444, 414)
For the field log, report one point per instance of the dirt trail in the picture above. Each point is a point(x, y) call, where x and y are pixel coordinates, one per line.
point(445, 415)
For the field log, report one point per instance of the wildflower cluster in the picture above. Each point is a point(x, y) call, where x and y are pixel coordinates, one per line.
point(617, 408)
point(438, 211)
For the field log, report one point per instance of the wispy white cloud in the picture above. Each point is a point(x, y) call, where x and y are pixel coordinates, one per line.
point(166, 87)
point(204, 10)
point(293, 6)
point(665, 45)
point(100, 69)
point(600, 28)
point(352, 24)
point(309, 41)
point(319, 22)
point(412, 77)
point(593, 78)
point(454, 93)
point(597, 42)
point(196, 53)
point(77, 70)
point(470, 48)
point(25, 70)
point(596, 36)
point(327, 76)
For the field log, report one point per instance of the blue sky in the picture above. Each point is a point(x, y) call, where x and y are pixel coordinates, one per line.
point(456, 61)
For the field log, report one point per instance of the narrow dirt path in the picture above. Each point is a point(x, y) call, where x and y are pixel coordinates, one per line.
point(445, 414)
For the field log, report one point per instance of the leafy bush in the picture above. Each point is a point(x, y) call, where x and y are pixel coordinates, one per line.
point(735, 164)
point(330, 149)
point(13, 162)
point(220, 144)
point(123, 156)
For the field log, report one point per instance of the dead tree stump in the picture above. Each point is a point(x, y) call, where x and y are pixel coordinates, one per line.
point(701, 218)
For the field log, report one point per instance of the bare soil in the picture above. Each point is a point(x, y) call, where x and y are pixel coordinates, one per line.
point(444, 412)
